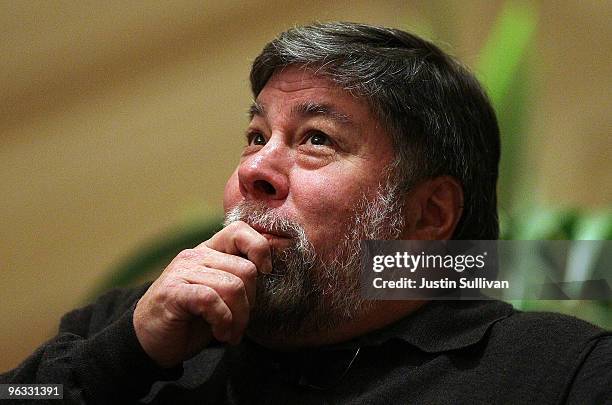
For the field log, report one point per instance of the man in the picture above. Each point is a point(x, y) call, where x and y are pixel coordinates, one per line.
point(356, 132)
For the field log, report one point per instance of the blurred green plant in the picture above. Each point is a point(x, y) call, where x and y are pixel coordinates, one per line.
point(540, 223)
point(151, 258)
point(502, 71)
point(503, 68)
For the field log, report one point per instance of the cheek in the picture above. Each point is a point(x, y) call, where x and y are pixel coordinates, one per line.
point(326, 203)
point(231, 194)
point(338, 187)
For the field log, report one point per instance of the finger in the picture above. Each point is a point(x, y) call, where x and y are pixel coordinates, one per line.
point(232, 291)
point(238, 238)
point(237, 266)
point(210, 258)
point(203, 301)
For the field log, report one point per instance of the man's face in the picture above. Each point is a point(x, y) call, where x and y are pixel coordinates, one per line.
point(313, 180)
point(313, 151)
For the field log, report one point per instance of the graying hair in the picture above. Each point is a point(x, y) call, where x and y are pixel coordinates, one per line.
point(437, 114)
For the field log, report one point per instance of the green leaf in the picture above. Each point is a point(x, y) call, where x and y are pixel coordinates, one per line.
point(594, 226)
point(501, 56)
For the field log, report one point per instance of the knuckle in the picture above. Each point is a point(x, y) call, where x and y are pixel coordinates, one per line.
point(249, 269)
point(169, 316)
point(169, 284)
point(161, 296)
point(165, 293)
point(170, 296)
point(208, 296)
point(187, 254)
point(235, 286)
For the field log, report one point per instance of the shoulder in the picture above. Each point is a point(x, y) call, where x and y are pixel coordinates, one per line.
point(592, 383)
point(548, 346)
point(546, 330)
point(547, 352)
point(563, 351)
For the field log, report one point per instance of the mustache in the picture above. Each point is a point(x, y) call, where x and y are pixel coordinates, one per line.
point(257, 214)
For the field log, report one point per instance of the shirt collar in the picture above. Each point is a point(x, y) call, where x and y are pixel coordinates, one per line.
point(441, 326)
point(438, 326)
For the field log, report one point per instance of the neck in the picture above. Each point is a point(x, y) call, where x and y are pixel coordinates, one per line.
point(379, 315)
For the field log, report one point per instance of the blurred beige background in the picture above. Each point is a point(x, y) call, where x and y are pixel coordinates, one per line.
point(121, 119)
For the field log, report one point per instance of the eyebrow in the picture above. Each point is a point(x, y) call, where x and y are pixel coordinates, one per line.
point(256, 109)
point(307, 109)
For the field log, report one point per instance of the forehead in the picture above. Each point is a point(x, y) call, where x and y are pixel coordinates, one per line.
point(295, 78)
point(297, 84)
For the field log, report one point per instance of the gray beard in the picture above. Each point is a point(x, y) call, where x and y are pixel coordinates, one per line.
point(309, 290)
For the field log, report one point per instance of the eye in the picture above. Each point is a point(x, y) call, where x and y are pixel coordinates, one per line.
point(256, 138)
point(318, 138)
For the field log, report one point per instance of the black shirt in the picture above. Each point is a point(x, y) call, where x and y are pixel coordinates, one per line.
point(448, 352)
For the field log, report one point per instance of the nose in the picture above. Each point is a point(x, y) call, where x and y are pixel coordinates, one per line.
point(263, 176)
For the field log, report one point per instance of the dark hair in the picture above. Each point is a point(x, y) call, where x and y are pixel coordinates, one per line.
point(440, 119)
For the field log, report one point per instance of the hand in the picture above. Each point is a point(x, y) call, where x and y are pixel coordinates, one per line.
point(204, 292)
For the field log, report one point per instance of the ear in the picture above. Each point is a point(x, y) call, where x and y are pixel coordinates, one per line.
point(433, 209)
